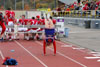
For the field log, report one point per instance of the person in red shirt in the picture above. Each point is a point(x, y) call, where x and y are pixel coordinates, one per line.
point(43, 21)
point(2, 25)
point(68, 9)
point(23, 21)
point(32, 31)
point(98, 3)
point(10, 21)
point(38, 22)
point(10, 16)
point(86, 7)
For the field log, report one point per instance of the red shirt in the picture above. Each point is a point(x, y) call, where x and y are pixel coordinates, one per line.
point(32, 22)
point(0, 23)
point(97, 3)
point(3, 27)
point(68, 9)
point(10, 15)
point(38, 22)
point(85, 7)
point(23, 21)
point(43, 21)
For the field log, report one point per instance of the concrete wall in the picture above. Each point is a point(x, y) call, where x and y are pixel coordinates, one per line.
point(95, 23)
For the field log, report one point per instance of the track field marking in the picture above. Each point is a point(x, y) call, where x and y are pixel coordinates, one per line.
point(66, 45)
point(97, 55)
point(78, 48)
point(94, 52)
point(92, 57)
point(98, 60)
point(31, 54)
point(2, 56)
point(83, 51)
point(65, 56)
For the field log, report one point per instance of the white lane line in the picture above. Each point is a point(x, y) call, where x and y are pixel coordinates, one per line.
point(66, 45)
point(98, 60)
point(31, 54)
point(83, 51)
point(97, 55)
point(94, 52)
point(65, 56)
point(2, 56)
point(78, 48)
point(92, 57)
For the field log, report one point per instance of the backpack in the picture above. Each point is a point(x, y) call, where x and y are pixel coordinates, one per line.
point(10, 62)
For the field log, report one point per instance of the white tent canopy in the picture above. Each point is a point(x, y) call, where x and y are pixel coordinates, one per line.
point(68, 1)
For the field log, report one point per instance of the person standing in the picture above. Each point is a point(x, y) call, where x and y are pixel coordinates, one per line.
point(2, 25)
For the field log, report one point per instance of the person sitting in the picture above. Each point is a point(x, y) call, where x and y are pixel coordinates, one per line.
point(32, 31)
point(23, 21)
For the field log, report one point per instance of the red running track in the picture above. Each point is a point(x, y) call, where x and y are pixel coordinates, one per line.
point(30, 54)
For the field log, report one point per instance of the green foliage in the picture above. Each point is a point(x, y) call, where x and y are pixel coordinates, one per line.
point(19, 5)
point(38, 4)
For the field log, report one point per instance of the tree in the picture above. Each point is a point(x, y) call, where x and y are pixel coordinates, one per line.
point(29, 4)
point(37, 5)
point(27, 7)
point(19, 5)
